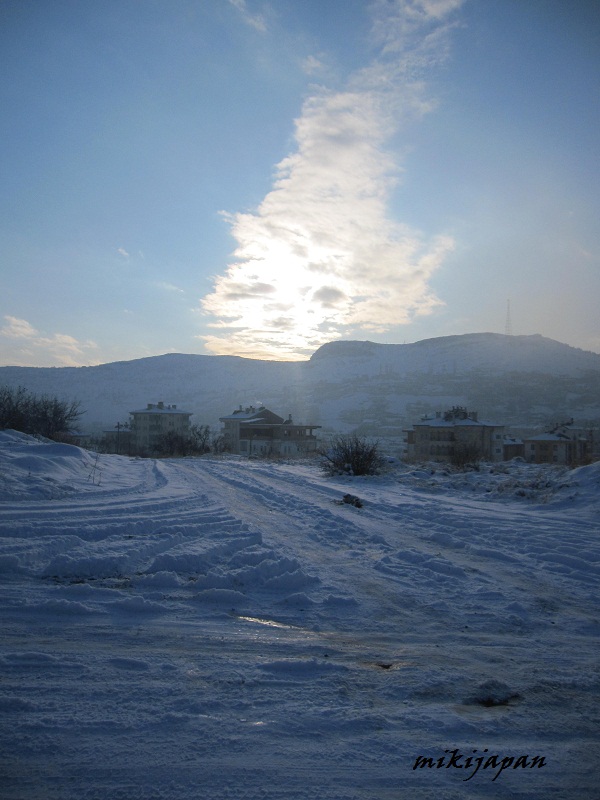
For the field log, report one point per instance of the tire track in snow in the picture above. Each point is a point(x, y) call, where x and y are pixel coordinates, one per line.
point(477, 555)
point(170, 542)
point(203, 694)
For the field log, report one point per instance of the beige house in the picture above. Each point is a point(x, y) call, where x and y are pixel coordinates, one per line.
point(258, 431)
point(443, 437)
point(151, 423)
point(563, 444)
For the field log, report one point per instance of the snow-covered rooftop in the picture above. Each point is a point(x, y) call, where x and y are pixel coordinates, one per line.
point(440, 422)
point(244, 415)
point(161, 408)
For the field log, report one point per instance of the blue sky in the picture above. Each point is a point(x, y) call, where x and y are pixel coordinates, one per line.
point(258, 178)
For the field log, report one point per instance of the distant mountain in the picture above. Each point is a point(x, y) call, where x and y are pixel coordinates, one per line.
point(379, 389)
point(467, 352)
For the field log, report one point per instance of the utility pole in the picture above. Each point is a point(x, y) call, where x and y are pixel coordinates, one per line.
point(118, 427)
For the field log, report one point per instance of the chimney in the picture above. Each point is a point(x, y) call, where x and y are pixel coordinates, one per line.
point(161, 404)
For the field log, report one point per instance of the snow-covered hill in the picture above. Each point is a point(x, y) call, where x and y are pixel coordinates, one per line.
point(517, 380)
point(226, 629)
point(449, 354)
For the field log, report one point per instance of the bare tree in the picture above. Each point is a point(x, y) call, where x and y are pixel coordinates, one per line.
point(201, 437)
point(218, 443)
point(43, 415)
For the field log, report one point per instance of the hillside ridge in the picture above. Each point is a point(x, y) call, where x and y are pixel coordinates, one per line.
point(378, 389)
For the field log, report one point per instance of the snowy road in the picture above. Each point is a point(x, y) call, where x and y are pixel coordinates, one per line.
point(218, 628)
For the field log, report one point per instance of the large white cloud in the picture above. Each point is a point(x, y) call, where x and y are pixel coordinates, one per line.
point(321, 257)
point(24, 345)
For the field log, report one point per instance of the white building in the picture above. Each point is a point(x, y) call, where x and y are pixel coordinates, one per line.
point(151, 423)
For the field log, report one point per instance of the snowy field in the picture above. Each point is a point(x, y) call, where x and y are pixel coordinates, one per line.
point(231, 630)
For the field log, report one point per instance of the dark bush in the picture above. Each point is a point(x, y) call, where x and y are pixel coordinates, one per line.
point(466, 456)
point(195, 443)
point(173, 444)
point(351, 455)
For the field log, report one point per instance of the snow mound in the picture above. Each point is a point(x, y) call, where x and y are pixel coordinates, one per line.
point(37, 468)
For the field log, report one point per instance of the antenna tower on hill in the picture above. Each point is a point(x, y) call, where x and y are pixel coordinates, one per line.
point(508, 325)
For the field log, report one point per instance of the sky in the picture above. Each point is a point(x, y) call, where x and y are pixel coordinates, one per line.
point(260, 177)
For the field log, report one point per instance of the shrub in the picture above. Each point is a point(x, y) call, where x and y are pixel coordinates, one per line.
point(172, 443)
point(466, 455)
point(195, 443)
point(351, 455)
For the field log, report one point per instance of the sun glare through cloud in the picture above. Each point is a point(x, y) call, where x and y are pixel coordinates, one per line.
point(253, 178)
point(322, 257)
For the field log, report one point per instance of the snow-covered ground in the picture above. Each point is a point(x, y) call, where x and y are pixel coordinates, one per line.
point(229, 629)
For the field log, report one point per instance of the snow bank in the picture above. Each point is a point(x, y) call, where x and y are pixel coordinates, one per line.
point(513, 480)
point(36, 468)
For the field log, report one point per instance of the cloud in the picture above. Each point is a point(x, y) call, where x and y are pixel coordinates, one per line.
point(329, 296)
point(16, 328)
point(313, 65)
point(121, 251)
point(256, 21)
point(322, 246)
point(31, 348)
point(413, 27)
point(168, 287)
